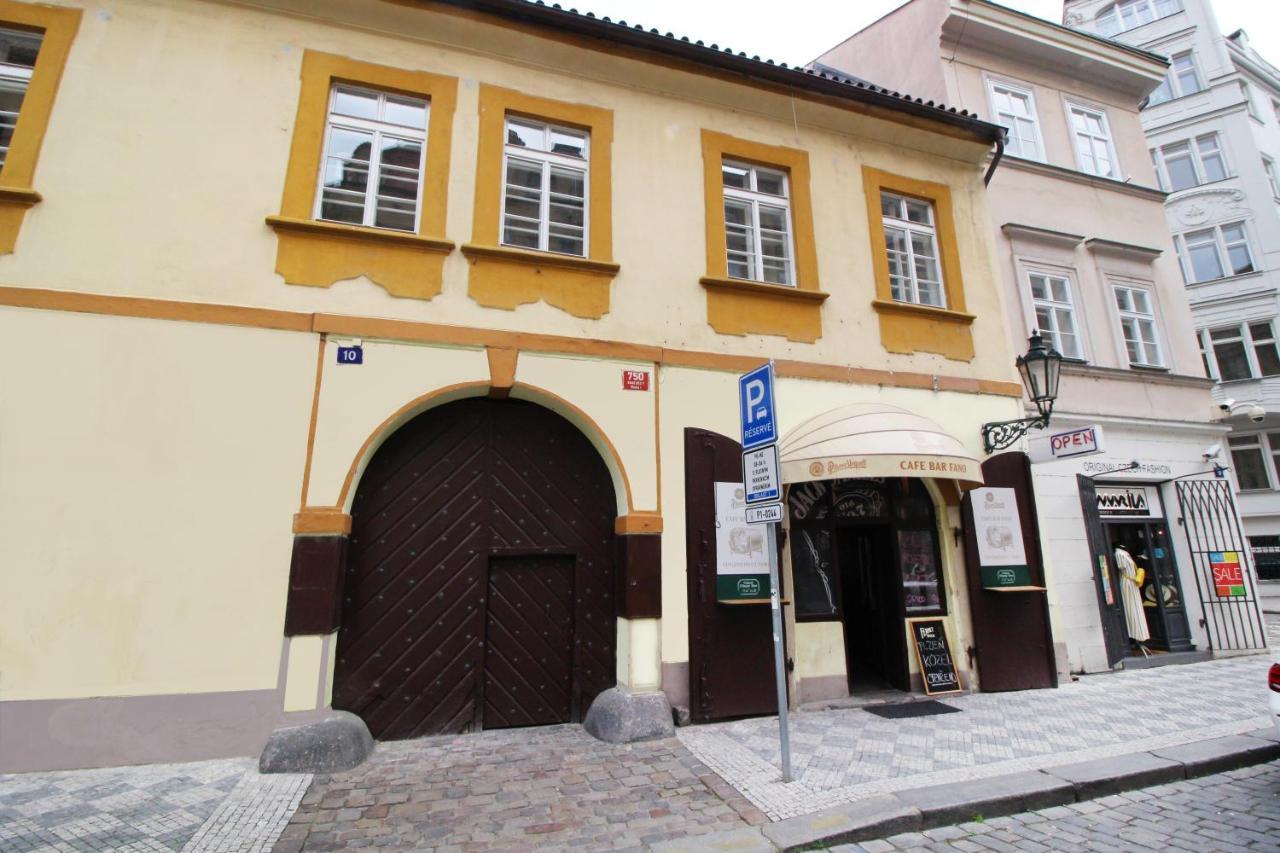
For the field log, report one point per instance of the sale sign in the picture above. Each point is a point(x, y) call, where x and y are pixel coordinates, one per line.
point(1228, 576)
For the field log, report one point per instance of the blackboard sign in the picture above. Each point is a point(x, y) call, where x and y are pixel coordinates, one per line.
point(937, 669)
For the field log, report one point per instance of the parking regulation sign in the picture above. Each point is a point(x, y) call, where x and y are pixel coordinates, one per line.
point(764, 514)
point(760, 475)
point(755, 398)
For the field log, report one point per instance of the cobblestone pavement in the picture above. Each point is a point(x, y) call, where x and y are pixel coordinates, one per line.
point(843, 755)
point(1238, 810)
point(206, 805)
point(517, 789)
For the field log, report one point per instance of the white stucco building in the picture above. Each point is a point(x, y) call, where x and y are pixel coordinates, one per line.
point(1213, 128)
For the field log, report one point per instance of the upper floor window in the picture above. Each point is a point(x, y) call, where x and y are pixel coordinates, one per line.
point(1128, 14)
point(1092, 137)
point(1210, 252)
point(1241, 351)
point(911, 242)
point(1138, 326)
point(371, 173)
point(1182, 79)
point(1269, 166)
point(757, 223)
point(544, 193)
point(1015, 108)
point(18, 50)
point(1248, 458)
point(1190, 163)
point(1247, 95)
point(1055, 313)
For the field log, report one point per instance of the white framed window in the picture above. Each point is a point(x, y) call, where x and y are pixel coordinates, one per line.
point(1240, 351)
point(911, 242)
point(757, 223)
point(18, 51)
point(1055, 312)
point(1138, 326)
point(1015, 108)
point(544, 188)
point(1092, 136)
point(1248, 458)
point(1269, 166)
point(1183, 79)
point(1215, 252)
point(371, 173)
point(1189, 163)
point(1128, 14)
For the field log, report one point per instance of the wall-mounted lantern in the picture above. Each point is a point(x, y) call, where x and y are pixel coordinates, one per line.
point(1040, 368)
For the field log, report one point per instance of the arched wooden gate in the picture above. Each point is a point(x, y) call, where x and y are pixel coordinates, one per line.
point(479, 590)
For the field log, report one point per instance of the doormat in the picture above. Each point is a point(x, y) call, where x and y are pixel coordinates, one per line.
point(902, 710)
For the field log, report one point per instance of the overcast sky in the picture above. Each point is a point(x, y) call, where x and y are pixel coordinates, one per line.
point(797, 31)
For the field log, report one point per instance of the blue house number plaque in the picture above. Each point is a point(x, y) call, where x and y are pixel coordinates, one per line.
point(351, 355)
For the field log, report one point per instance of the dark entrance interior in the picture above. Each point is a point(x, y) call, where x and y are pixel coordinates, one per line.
point(875, 648)
point(479, 589)
point(1148, 544)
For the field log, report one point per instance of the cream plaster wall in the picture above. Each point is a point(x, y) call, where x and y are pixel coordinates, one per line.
point(304, 671)
point(356, 399)
point(149, 471)
point(819, 649)
point(214, 166)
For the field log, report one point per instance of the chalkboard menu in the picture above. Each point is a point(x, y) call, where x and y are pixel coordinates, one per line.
point(938, 670)
point(812, 575)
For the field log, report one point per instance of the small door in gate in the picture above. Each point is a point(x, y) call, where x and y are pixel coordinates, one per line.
point(528, 661)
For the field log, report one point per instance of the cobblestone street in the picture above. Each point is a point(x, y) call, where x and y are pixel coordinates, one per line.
point(1237, 810)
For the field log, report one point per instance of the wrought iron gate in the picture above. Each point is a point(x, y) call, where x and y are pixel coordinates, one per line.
point(1233, 619)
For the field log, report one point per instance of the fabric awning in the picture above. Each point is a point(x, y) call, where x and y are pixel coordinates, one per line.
point(874, 440)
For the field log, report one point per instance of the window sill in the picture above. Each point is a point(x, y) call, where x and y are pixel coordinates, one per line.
point(23, 197)
point(506, 278)
point(909, 328)
point(783, 291)
point(1224, 278)
point(14, 203)
point(1149, 368)
point(742, 307)
point(318, 254)
point(359, 232)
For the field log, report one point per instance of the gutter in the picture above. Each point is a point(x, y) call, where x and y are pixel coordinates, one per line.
point(995, 161)
point(538, 14)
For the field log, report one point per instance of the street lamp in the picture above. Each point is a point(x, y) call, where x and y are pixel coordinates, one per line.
point(1040, 368)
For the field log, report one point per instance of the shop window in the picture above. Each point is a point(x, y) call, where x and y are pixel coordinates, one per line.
point(1249, 462)
point(1189, 163)
point(1212, 253)
point(920, 296)
point(542, 227)
point(35, 42)
point(762, 263)
point(365, 189)
point(1055, 313)
point(1242, 351)
point(1014, 107)
point(1266, 556)
point(1138, 326)
point(544, 194)
point(1092, 136)
point(1182, 79)
point(820, 510)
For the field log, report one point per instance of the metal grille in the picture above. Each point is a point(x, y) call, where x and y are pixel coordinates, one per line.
point(1209, 519)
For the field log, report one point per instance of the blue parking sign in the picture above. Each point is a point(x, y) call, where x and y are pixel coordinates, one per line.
point(755, 398)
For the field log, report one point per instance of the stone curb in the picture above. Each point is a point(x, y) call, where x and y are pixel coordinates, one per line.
point(942, 805)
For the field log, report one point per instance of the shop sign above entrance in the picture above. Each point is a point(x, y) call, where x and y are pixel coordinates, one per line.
point(1128, 502)
point(1085, 441)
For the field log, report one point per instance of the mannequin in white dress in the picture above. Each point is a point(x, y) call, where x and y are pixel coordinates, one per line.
point(1135, 618)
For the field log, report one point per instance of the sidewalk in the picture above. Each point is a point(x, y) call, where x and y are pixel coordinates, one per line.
point(558, 788)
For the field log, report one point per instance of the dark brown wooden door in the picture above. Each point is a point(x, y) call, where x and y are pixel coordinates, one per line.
point(528, 663)
point(730, 646)
point(1102, 565)
point(1011, 632)
point(451, 489)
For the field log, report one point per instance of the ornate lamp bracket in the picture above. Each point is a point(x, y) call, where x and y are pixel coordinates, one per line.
point(998, 436)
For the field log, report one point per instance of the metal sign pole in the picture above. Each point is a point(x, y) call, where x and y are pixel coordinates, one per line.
point(779, 664)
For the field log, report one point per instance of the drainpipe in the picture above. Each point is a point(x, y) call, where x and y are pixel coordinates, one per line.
point(995, 161)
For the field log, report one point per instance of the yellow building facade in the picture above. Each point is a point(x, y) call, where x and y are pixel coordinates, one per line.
point(184, 438)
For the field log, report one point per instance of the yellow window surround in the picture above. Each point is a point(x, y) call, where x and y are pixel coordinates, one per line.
point(904, 326)
point(319, 253)
point(58, 27)
point(738, 307)
point(506, 277)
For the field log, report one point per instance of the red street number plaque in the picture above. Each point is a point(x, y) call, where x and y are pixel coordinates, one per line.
point(635, 380)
